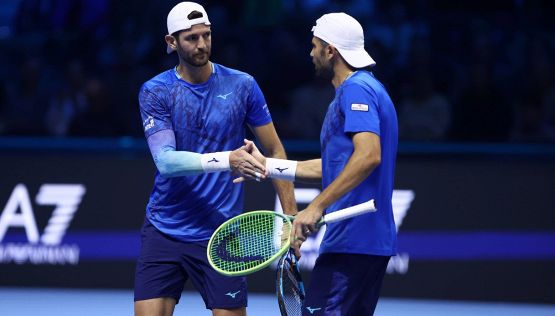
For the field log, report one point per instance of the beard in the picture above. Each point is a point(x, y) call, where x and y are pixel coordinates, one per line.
point(197, 60)
point(323, 71)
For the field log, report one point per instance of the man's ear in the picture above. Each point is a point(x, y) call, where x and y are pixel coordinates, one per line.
point(171, 41)
point(331, 52)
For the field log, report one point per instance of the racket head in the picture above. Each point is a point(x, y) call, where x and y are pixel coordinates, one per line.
point(289, 285)
point(249, 242)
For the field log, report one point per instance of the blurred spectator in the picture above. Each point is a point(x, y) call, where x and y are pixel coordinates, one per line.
point(308, 106)
point(531, 125)
point(481, 113)
point(3, 104)
point(100, 119)
point(424, 114)
point(394, 28)
point(28, 97)
point(535, 119)
point(488, 64)
point(68, 102)
point(262, 13)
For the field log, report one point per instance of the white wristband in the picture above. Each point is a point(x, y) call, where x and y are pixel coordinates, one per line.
point(214, 162)
point(281, 168)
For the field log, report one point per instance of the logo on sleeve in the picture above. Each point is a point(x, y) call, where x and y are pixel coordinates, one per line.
point(265, 108)
point(359, 107)
point(148, 123)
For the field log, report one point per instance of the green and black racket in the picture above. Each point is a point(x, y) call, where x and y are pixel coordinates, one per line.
point(251, 241)
point(289, 285)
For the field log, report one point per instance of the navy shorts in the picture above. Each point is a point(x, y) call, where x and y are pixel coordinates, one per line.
point(165, 264)
point(345, 284)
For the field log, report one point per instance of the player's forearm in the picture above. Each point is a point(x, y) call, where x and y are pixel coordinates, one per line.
point(285, 191)
point(309, 171)
point(178, 163)
point(171, 163)
point(358, 168)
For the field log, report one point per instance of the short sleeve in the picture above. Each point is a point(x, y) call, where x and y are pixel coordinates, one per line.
point(154, 112)
point(360, 105)
point(258, 113)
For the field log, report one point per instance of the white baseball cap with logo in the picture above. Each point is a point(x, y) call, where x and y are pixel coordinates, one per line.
point(344, 33)
point(178, 18)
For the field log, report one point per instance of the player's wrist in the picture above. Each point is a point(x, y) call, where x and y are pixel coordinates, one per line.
point(282, 169)
point(214, 162)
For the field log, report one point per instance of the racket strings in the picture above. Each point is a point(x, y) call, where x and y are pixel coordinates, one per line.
point(247, 242)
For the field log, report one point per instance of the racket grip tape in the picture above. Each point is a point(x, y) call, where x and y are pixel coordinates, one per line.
point(348, 212)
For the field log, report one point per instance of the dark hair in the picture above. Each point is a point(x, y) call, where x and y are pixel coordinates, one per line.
point(324, 43)
point(193, 15)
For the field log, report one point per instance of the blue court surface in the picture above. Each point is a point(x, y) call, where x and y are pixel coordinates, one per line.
point(66, 302)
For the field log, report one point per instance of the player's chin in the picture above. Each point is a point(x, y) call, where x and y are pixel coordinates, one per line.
point(201, 62)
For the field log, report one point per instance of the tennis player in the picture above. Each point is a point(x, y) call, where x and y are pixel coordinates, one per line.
point(359, 146)
point(194, 118)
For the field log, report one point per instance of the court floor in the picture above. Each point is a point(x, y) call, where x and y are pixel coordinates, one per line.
point(66, 302)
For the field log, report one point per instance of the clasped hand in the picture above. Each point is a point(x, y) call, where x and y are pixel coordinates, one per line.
point(248, 163)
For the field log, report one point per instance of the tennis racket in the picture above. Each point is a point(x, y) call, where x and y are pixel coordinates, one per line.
point(251, 241)
point(289, 285)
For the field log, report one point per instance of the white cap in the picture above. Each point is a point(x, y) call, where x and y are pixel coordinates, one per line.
point(344, 33)
point(178, 20)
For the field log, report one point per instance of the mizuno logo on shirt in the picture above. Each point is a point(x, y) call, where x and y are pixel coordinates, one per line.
point(213, 160)
point(281, 170)
point(232, 295)
point(312, 310)
point(223, 96)
point(359, 107)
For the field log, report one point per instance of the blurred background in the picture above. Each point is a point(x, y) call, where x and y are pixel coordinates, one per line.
point(457, 72)
point(474, 88)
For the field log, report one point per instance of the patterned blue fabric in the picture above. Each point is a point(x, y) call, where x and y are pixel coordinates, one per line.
point(204, 118)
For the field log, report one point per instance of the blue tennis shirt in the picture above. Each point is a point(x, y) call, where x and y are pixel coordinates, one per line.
point(361, 104)
point(207, 117)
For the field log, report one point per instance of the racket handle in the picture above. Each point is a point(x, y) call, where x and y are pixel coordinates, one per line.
point(348, 212)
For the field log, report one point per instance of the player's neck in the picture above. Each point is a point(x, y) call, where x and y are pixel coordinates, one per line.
point(193, 74)
point(341, 73)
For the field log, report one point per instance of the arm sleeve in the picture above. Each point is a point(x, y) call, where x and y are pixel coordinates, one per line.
point(258, 113)
point(172, 163)
point(360, 105)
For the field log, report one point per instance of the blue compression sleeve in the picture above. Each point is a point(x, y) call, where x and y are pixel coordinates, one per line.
point(172, 163)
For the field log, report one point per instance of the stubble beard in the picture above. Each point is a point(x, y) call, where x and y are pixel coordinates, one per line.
point(324, 72)
point(195, 61)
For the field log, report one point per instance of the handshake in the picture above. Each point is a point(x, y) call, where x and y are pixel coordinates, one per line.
point(248, 163)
